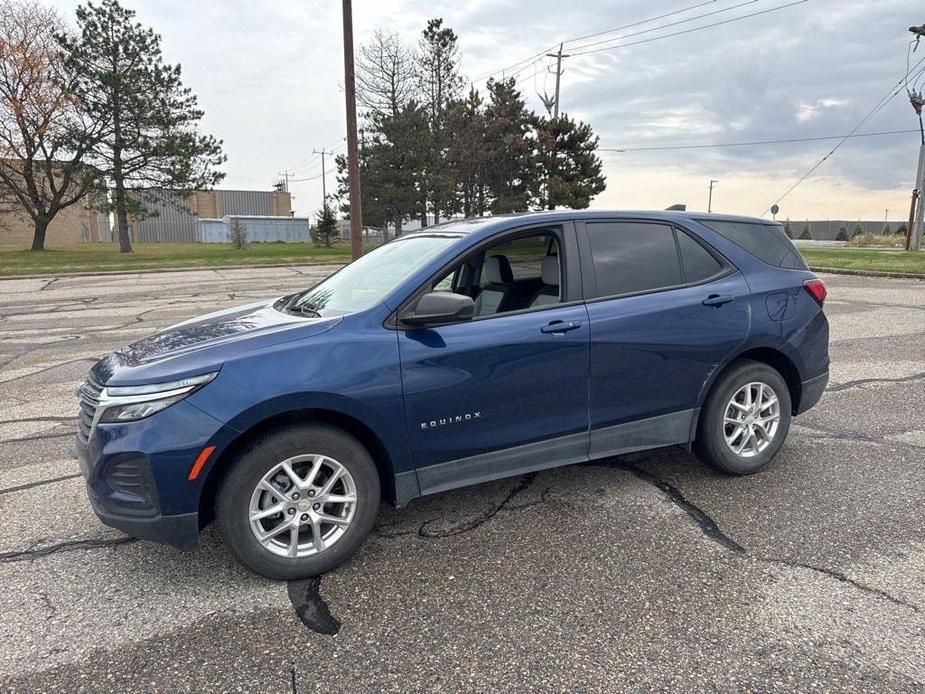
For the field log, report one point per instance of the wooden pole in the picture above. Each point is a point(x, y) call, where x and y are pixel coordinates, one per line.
point(353, 165)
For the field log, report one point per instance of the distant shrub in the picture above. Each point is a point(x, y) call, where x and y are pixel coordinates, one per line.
point(788, 229)
point(865, 240)
point(902, 230)
point(842, 234)
point(857, 231)
point(237, 235)
point(887, 230)
point(806, 234)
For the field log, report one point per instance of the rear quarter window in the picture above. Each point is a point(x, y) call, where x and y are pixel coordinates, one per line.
point(768, 242)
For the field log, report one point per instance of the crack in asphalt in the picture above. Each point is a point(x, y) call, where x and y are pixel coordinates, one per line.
point(49, 368)
point(711, 529)
point(468, 525)
point(38, 437)
point(865, 381)
point(69, 546)
point(844, 578)
point(310, 607)
point(39, 483)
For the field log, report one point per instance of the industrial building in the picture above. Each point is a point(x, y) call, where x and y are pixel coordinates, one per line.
point(173, 219)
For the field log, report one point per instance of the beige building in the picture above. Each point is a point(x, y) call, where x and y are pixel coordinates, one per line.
point(74, 224)
point(173, 221)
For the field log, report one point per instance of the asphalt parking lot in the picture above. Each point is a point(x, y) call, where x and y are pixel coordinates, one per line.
point(643, 572)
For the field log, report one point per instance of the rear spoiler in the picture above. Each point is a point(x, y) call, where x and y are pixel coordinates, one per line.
point(680, 207)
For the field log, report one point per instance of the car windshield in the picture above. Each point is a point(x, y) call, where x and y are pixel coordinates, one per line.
point(368, 280)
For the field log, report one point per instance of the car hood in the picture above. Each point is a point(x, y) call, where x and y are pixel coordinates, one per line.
point(204, 343)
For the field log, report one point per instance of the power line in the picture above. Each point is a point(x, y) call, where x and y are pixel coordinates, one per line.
point(644, 21)
point(538, 57)
point(689, 31)
point(670, 148)
point(311, 178)
point(889, 96)
point(665, 26)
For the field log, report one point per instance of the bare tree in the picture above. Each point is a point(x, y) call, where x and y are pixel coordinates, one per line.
point(43, 137)
point(385, 74)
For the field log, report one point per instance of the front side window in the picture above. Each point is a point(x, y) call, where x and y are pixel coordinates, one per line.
point(631, 257)
point(368, 280)
point(511, 275)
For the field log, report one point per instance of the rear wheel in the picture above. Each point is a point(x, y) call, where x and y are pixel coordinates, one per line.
point(299, 501)
point(745, 419)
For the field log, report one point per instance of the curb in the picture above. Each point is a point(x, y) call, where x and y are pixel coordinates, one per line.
point(148, 271)
point(868, 273)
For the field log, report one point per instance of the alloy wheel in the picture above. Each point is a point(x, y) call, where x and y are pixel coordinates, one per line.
point(751, 419)
point(302, 506)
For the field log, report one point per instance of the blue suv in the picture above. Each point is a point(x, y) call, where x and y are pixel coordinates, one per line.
point(462, 353)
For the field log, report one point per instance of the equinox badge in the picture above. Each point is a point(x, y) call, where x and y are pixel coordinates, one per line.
point(456, 419)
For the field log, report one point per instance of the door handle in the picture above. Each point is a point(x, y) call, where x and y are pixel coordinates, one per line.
point(716, 300)
point(558, 327)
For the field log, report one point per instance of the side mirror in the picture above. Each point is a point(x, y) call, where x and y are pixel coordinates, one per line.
point(438, 307)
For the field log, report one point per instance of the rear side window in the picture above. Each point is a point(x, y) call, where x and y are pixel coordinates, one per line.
point(632, 257)
point(698, 263)
point(765, 241)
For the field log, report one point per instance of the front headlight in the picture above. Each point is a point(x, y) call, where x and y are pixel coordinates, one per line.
point(131, 403)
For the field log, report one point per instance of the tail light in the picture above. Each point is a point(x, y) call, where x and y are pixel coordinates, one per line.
point(816, 288)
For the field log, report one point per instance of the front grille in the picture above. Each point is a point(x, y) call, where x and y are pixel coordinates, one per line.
point(88, 395)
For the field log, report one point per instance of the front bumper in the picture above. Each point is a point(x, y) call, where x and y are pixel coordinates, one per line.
point(137, 473)
point(811, 391)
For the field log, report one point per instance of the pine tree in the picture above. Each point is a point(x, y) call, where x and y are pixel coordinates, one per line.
point(151, 141)
point(569, 172)
point(509, 161)
point(806, 234)
point(325, 226)
point(788, 229)
point(842, 233)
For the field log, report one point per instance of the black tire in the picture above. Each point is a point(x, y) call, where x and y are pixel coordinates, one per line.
point(232, 505)
point(710, 445)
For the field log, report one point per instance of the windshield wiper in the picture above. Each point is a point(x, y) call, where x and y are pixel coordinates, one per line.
point(308, 311)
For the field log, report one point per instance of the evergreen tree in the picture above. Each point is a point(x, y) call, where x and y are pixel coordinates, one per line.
point(569, 173)
point(788, 229)
point(467, 146)
point(439, 84)
point(858, 230)
point(842, 233)
point(508, 148)
point(887, 230)
point(325, 225)
point(806, 234)
point(902, 230)
point(151, 140)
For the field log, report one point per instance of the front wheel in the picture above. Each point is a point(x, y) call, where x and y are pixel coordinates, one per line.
point(298, 501)
point(745, 419)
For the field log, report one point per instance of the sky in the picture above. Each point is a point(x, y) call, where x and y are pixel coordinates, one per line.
point(270, 79)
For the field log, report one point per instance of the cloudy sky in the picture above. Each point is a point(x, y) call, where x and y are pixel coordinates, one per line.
point(270, 76)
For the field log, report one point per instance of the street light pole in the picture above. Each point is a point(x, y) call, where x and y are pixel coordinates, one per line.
point(710, 199)
point(353, 165)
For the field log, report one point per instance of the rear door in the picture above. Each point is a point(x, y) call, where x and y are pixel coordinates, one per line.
point(665, 311)
point(507, 391)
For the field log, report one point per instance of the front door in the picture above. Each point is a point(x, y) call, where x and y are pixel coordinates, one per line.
point(506, 392)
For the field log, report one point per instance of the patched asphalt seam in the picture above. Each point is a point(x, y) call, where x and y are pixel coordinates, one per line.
point(712, 530)
point(522, 485)
point(70, 546)
point(708, 526)
point(39, 483)
point(310, 607)
point(38, 437)
point(866, 381)
point(838, 575)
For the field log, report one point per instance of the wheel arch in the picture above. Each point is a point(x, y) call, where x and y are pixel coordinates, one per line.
point(774, 358)
point(223, 463)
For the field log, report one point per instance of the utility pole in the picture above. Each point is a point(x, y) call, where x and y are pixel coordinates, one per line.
point(324, 187)
point(558, 56)
point(914, 239)
point(285, 175)
point(353, 165)
point(710, 199)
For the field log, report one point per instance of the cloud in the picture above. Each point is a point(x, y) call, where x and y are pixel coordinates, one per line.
point(269, 76)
